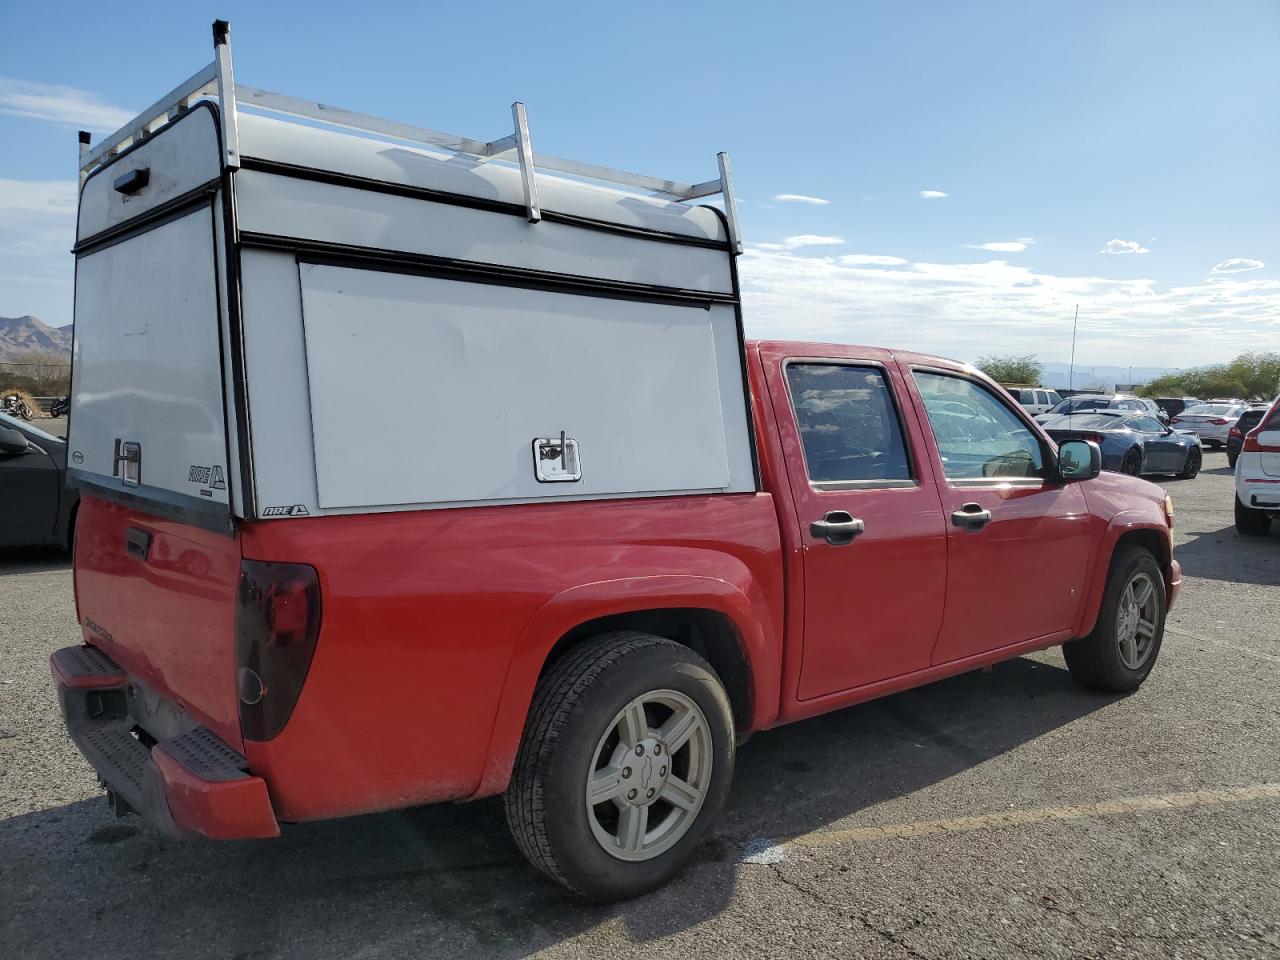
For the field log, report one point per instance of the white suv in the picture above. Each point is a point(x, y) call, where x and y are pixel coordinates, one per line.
point(1258, 476)
point(1035, 399)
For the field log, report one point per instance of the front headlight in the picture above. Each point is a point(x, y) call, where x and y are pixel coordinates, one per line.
point(1168, 510)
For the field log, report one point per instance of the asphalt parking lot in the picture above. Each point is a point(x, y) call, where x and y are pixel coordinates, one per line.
point(1004, 813)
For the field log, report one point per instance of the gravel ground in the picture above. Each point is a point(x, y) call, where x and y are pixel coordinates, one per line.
point(1193, 875)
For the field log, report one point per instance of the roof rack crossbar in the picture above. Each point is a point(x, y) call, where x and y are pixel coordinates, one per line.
point(216, 80)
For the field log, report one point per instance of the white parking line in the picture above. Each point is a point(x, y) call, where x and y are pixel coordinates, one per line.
point(772, 849)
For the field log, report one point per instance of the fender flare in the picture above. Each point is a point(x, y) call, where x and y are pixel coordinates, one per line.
point(743, 604)
point(1096, 580)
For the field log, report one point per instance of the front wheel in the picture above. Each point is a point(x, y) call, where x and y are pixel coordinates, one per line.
point(625, 764)
point(1122, 649)
point(1192, 466)
point(1251, 522)
point(1132, 462)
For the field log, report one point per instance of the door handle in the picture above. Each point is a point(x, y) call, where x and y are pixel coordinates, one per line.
point(837, 527)
point(971, 517)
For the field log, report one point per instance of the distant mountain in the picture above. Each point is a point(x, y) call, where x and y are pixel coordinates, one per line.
point(19, 335)
point(1087, 376)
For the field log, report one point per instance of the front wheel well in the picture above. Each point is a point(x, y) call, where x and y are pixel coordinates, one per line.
point(708, 633)
point(1154, 542)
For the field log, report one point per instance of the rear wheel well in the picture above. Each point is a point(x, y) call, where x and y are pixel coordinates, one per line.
point(708, 633)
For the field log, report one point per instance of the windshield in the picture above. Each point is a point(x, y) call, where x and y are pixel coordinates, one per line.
point(15, 424)
point(1081, 404)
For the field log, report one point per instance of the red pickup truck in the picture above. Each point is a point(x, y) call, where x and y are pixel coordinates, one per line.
point(597, 662)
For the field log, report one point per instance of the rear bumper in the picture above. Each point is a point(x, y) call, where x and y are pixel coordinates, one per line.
point(1174, 586)
point(188, 784)
point(1261, 493)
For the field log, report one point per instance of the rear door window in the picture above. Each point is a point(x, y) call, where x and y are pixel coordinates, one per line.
point(849, 425)
point(978, 437)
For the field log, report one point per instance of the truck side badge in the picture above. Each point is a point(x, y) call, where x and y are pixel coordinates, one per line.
point(555, 459)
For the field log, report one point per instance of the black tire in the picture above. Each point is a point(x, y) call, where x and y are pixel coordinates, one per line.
point(1231, 459)
point(1251, 522)
point(1192, 466)
point(1132, 462)
point(1095, 661)
point(573, 708)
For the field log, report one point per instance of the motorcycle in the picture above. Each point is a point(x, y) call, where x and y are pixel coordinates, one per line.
point(60, 407)
point(14, 405)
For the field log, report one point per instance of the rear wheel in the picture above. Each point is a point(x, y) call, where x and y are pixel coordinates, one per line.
point(1192, 466)
point(1132, 462)
point(1251, 522)
point(625, 764)
point(1231, 459)
point(1122, 649)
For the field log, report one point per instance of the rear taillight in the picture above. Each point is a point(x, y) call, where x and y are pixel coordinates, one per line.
point(1251, 444)
point(1219, 422)
point(1234, 432)
point(1176, 420)
point(277, 623)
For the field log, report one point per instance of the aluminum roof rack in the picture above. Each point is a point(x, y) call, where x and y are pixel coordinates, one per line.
point(217, 81)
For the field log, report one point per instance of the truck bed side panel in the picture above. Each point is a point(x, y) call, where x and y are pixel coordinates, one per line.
point(421, 616)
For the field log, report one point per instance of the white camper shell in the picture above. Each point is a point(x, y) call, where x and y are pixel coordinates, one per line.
point(276, 317)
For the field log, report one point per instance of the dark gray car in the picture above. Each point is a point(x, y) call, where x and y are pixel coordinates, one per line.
point(1134, 443)
point(36, 506)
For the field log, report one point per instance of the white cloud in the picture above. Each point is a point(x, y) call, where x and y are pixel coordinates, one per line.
point(1124, 246)
point(1237, 265)
point(1004, 246)
point(870, 260)
point(801, 198)
point(38, 196)
point(933, 195)
point(66, 106)
point(800, 240)
point(37, 231)
point(966, 309)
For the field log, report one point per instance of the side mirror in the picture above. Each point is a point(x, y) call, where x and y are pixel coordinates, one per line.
point(12, 443)
point(1079, 460)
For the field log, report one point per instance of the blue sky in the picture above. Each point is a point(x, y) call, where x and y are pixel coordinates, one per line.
point(1149, 130)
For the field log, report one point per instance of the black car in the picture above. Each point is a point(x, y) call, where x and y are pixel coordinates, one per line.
point(1172, 406)
point(1235, 436)
point(36, 506)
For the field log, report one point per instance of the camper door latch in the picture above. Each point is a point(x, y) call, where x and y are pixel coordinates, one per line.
point(129, 453)
point(555, 459)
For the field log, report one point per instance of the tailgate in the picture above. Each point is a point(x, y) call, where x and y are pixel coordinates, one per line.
point(148, 415)
point(159, 597)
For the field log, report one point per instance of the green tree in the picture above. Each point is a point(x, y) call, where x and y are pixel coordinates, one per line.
point(1248, 376)
point(1011, 369)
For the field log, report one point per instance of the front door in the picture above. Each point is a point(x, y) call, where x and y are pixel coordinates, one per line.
point(1019, 544)
point(871, 527)
point(1163, 454)
point(29, 490)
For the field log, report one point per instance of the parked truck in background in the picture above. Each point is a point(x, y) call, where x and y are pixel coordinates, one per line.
point(623, 540)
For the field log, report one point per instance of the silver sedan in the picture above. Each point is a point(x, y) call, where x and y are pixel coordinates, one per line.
point(1209, 421)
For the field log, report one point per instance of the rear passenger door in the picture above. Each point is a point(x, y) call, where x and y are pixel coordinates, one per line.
point(1018, 542)
point(871, 525)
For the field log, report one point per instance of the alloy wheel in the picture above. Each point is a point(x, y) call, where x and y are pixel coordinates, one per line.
point(649, 775)
point(1136, 621)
